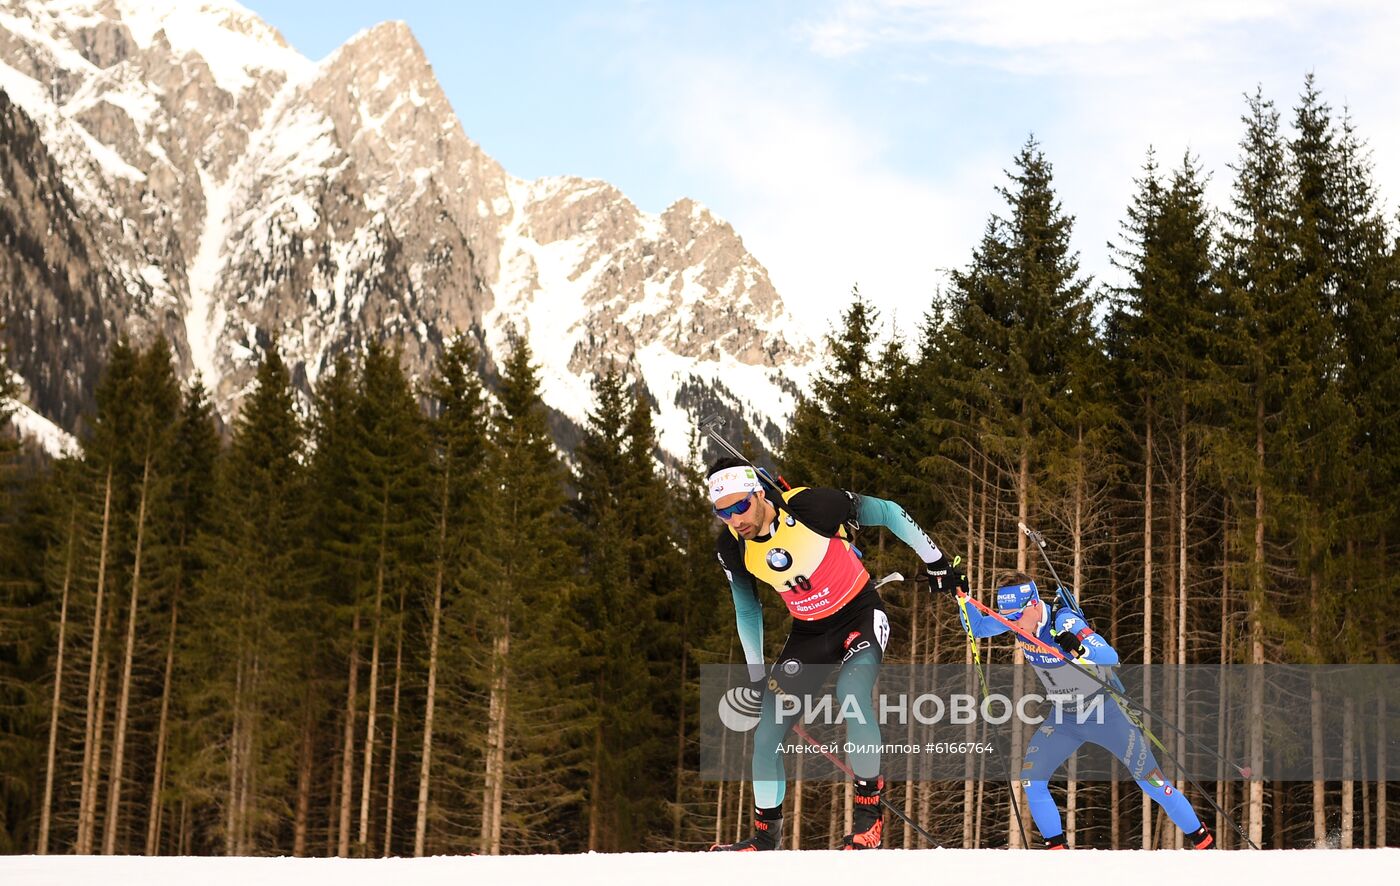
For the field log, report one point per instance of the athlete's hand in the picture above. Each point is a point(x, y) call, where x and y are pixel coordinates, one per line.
point(945, 577)
point(1069, 642)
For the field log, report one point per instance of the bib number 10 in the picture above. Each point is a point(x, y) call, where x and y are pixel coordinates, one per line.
point(800, 583)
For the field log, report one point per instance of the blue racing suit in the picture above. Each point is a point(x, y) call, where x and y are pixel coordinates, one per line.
point(1104, 723)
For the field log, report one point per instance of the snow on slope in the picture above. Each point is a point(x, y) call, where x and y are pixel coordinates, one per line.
point(47, 435)
point(305, 200)
point(233, 42)
point(895, 868)
point(548, 289)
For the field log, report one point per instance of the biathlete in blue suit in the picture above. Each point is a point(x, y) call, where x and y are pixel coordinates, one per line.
point(1070, 688)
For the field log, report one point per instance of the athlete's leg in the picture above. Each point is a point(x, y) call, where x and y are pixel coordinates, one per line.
point(854, 688)
point(797, 674)
point(1125, 741)
point(861, 650)
point(1051, 745)
point(769, 773)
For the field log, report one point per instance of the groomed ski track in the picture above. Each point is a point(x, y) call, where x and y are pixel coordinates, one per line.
point(894, 867)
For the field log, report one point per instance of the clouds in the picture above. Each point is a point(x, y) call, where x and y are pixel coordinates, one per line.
point(1015, 25)
point(862, 142)
point(811, 188)
point(866, 144)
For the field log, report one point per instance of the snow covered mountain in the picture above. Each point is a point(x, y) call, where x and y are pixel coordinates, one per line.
point(176, 167)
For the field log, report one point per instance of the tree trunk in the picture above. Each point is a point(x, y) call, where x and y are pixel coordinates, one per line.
point(347, 751)
point(1382, 774)
point(1183, 542)
point(234, 763)
point(595, 778)
point(1319, 783)
point(909, 777)
point(490, 843)
point(850, 795)
point(1114, 810)
point(1147, 604)
point(1023, 513)
point(114, 785)
point(677, 810)
point(1226, 642)
point(797, 792)
point(394, 735)
point(248, 785)
point(305, 773)
point(1076, 582)
point(970, 794)
point(367, 777)
point(92, 731)
point(1348, 772)
point(162, 732)
point(1256, 640)
point(45, 813)
point(420, 829)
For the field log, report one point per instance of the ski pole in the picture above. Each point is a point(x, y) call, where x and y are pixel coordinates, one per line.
point(986, 695)
point(1123, 702)
point(708, 426)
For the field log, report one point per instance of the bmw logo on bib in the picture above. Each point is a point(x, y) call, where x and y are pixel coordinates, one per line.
point(779, 559)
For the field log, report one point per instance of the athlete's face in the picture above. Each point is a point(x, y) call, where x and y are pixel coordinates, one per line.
point(750, 523)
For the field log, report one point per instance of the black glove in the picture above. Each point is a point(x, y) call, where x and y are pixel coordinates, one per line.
point(1069, 642)
point(945, 577)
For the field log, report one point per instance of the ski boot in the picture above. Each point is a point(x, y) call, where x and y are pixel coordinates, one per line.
point(767, 833)
point(1059, 841)
point(1202, 838)
point(867, 819)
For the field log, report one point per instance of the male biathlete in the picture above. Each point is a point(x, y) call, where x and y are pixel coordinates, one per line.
point(1069, 686)
point(801, 547)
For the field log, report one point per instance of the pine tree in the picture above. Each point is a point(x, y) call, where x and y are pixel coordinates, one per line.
point(337, 569)
point(24, 638)
point(630, 562)
point(1267, 358)
point(250, 620)
point(194, 455)
point(449, 779)
point(1162, 331)
point(1018, 325)
point(834, 436)
point(536, 727)
point(389, 479)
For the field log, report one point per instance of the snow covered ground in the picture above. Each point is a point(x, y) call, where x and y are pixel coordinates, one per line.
point(894, 868)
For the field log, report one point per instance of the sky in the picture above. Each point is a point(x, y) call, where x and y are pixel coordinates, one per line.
point(863, 143)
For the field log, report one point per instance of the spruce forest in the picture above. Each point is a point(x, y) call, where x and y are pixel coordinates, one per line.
point(395, 621)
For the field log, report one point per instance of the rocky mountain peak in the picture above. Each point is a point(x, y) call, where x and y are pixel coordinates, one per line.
point(228, 192)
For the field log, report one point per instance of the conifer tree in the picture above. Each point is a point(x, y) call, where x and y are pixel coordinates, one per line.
point(630, 562)
point(24, 639)
point(338, 569)
point(388, 476)
point(449, 777)
point(1017, 326)
point(834, 437)
point(536, 728)
point(194, 455)
point(249, 622)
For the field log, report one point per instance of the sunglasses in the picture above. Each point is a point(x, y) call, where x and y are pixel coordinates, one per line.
point(739, 507)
